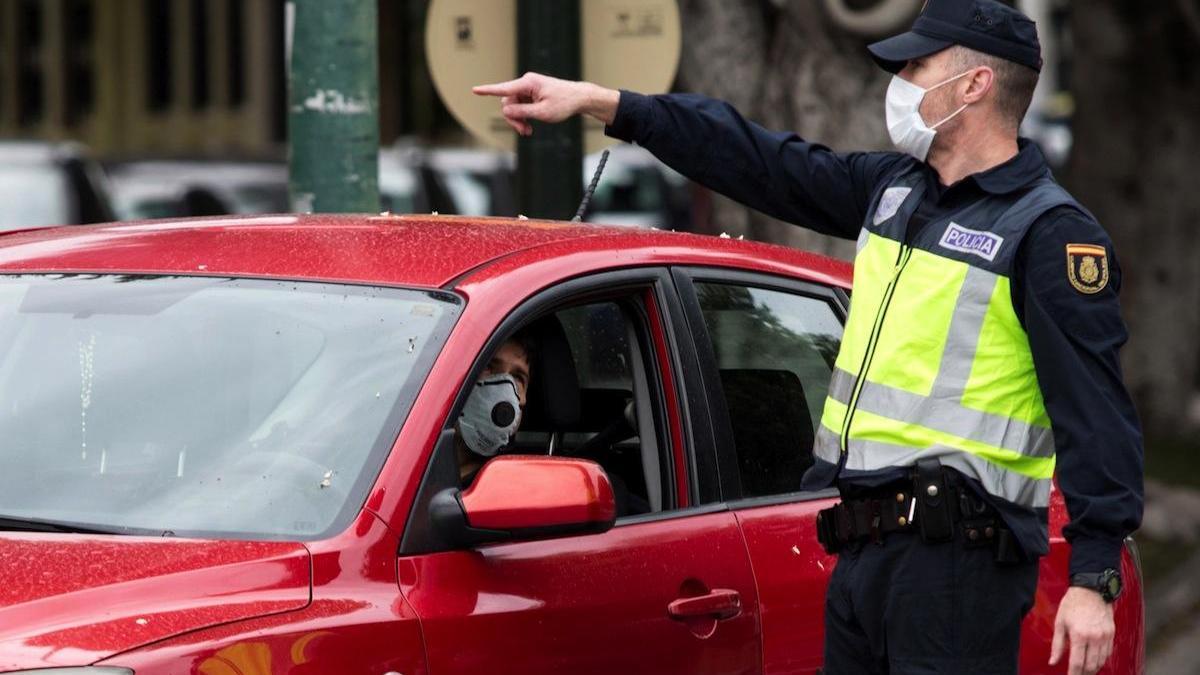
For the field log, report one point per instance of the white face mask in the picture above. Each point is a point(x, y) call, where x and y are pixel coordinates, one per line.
point(491, 415)
point(904, 122)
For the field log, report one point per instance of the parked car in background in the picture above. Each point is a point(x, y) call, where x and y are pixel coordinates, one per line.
point(635, 188)
point(407, 184)
point(478, 182)
point(43, 183)
point(231, 447)
point(638, 190)
point(168, 188)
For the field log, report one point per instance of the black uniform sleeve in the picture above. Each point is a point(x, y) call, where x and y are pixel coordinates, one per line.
point(777, 173)
point(1076, 337)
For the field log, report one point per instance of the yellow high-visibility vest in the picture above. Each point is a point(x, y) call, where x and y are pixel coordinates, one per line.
point(934, 360)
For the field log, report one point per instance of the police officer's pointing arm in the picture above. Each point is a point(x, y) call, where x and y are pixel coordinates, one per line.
point(708, 141)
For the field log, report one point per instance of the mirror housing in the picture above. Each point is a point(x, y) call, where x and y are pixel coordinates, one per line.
point(518, 497)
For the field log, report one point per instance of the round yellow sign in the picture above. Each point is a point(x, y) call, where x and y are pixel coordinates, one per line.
point(628, 44)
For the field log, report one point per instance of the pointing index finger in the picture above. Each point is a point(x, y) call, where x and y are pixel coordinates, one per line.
point(510, 88)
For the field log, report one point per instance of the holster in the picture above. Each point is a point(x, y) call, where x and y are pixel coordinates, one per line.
point(827, 532)
point(934, 519)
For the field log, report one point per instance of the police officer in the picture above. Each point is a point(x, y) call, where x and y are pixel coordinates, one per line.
point(981, 351)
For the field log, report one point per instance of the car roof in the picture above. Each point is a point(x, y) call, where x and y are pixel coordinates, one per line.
point(29, 151)
point(402, 250)
point(174, 171)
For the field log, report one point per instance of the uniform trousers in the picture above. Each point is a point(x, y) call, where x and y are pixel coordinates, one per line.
point(905, 607)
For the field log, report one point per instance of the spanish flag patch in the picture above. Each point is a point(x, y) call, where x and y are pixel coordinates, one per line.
point(1087, 267)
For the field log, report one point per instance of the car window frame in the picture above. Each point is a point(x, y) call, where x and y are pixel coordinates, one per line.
point(421, 537)
point(686, 278)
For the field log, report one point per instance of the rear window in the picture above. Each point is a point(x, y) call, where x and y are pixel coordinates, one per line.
point(204, 406)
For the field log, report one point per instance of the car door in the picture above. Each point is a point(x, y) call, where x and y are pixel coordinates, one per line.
point(668, 590)
point(766, 346)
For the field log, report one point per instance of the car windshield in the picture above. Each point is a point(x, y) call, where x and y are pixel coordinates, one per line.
point(33, 195)
point(205, 407)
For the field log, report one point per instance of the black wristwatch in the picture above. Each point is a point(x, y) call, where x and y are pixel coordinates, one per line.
point(1107, 583)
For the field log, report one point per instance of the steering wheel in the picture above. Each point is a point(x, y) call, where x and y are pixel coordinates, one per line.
point(616, 431)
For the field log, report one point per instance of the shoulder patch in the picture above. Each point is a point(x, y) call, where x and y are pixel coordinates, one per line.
point(1087, 267)
point(890, 203)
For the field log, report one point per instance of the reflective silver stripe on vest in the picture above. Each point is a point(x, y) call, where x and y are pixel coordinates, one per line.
point(841, 387)
point(963, 339)
point(827, 445)
point(998, 481)
point(862, 241)
point(944, 415)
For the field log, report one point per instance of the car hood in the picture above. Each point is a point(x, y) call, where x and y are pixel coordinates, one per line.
point(70, 600)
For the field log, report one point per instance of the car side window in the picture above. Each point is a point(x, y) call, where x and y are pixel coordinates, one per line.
point(775, 352)
point(592, 393)
point(599, 338)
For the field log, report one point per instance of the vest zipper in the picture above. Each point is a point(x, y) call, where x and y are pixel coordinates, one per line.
point(902, 258)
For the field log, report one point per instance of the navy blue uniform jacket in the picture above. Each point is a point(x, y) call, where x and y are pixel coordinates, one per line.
point(1075, 337)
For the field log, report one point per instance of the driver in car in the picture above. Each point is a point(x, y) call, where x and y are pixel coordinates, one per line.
point(492, 413)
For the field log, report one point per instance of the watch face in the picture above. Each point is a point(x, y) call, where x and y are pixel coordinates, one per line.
point(1110, 584)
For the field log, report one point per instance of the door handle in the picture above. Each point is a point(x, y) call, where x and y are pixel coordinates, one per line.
point(719, 604)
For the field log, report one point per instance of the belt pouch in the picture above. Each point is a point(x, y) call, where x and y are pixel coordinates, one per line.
point(933, 502)
point(1008, 551)
point(827, 530)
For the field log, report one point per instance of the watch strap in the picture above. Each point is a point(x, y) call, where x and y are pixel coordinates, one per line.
point(1107, 583)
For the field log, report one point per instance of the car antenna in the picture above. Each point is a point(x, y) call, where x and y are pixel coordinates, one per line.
point(591, 189)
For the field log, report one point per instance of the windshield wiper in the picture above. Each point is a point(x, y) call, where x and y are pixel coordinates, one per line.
point(15, 524)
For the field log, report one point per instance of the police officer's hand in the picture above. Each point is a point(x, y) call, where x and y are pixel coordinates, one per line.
point(1086, 621)
point(549, 99)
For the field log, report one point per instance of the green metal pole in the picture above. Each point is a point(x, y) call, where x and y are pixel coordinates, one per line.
point(550, 162)
point(333, 104)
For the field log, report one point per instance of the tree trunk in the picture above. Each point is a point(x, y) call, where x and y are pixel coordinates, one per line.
point(786, 66)
point(724, 56)
point(1134, 164)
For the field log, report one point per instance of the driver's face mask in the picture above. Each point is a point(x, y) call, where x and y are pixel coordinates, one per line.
point(491, 415)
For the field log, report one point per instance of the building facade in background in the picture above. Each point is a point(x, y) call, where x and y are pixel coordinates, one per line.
point(182, 77)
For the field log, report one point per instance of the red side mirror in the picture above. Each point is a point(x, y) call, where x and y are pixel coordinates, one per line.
point(516, 493)
point(527, 497)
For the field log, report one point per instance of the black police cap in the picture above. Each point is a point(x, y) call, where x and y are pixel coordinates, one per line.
point(983, 25)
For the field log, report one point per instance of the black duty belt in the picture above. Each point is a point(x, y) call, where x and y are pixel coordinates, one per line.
point(935, 504)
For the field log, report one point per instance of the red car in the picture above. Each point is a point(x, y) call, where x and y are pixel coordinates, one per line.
point(230, 448)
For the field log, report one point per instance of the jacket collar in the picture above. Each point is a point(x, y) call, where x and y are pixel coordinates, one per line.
point(1025, 167)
